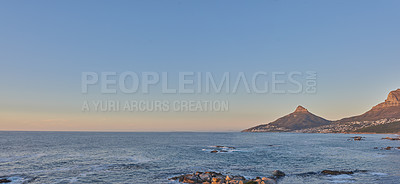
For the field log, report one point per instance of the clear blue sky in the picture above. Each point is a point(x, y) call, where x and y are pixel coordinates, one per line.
point(45, 45)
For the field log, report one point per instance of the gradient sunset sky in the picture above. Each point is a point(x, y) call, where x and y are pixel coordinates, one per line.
point(354, 46)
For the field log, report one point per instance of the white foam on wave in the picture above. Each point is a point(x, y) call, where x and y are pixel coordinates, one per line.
point(73, 180)
point(4, 160)
point(17, 179)
point(341, 181)
point(379, 155)
point(133, 158)
point(378, 174)
point(21, 157)
point(139, 159)
point(223, 150)
point(342, 178)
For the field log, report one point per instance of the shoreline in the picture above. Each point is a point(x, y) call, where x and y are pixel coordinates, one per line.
point(398, 134)
point(10, 131)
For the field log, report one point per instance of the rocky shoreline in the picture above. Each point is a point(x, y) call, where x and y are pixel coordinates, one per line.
point(276, 175)
point(218, 178)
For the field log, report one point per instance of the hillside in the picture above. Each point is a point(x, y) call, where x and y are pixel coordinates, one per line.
point(301, 118)
point(382, 118)
point(388, 109)
point(385, 128)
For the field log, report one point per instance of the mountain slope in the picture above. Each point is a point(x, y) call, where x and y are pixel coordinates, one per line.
point(385, 128)
point(388, 109)
point(301, 118)
point(383, 117)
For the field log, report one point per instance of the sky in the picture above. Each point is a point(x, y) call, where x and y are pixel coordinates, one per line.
point(354, 46)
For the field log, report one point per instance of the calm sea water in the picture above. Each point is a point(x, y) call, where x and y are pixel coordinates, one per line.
point(83, 157)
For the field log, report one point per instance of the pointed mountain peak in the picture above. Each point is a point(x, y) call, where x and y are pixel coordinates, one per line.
point(299, 119)
point(301, 109)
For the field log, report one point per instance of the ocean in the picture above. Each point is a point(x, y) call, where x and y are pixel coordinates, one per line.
point(101, 157)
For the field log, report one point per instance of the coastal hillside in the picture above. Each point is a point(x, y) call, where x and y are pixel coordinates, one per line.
point(382, 118)
point(390, 108)
point(299, 119)
point(384, 129)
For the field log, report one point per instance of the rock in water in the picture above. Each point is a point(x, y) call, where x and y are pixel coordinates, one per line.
point(278, 173)
point(393, 139)
point(331, 172)
point(191, 179)
point(205, 177)
point(218, 178)
point(5, 181)
point(357, 138)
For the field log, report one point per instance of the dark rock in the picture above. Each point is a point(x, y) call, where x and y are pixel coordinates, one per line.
point(214, 151)
point(331, 172)
point(388, 148)
point(5, 181)
point(198, 173)
point(205, 177)
point(191, 179)
point(278, 173)
point(393, 139)
point(229, 147)
point(239, 178)
point(214, 177)
point(307, 174)
point(177, 178)
point(357, 138)
point(251, 182)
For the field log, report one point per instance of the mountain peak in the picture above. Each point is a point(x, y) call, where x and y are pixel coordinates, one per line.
point(394, 96)
point(301, 109)
point(390, 108)
point(299, 119)
point(393, 100)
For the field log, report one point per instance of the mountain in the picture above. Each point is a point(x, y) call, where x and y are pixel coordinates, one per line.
point(382, 118)
point(388, 109)
point(301, 118)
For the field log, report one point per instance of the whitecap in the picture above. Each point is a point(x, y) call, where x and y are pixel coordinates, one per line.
point(378, 174)
point(73, 180)
point(341, 181)
point(341, 176)
point(18, 179)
